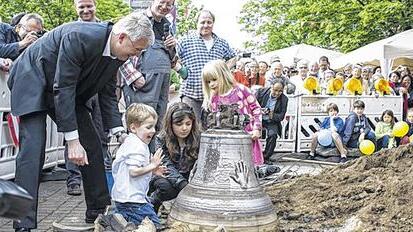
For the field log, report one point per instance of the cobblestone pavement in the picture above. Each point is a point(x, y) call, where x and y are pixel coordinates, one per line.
point(54, 205)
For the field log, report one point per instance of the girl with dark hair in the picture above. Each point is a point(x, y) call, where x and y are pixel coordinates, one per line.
point(179, 140)
point(384, 131)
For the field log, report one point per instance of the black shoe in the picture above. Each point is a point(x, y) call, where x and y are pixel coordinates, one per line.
point(74, 190)
point(343, 159)
point(91, 215)
point(310, 157)
point(22, 230)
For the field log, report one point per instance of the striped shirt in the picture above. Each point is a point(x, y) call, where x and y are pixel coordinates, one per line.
point(194, 55)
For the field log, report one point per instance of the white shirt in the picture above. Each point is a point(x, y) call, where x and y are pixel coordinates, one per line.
point(132, 152)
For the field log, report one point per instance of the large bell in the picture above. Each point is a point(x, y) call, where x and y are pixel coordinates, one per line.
point(224, 190)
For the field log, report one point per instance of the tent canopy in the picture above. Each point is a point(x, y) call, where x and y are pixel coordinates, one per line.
point(293, 54)
point(382, 52)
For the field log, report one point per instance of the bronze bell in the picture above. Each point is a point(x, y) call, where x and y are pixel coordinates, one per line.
point(224, 191)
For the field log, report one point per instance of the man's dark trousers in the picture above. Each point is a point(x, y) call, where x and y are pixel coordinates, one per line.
point(30, 160)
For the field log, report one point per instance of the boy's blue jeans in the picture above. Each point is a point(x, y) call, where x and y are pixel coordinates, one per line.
point(136, 212)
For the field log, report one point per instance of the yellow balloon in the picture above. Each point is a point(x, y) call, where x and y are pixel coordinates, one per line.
point(337, 84)
point(400, 129)
point(367, 147)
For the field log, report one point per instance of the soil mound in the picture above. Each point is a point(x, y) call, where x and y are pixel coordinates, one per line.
point(370, 193)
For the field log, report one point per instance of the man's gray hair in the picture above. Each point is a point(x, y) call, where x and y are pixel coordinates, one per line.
point(136, 25)
point(27, 17)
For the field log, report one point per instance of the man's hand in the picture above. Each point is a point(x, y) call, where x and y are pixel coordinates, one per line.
point(28, 39)
point(76, 152)
point(170, 42)
point(139, 83)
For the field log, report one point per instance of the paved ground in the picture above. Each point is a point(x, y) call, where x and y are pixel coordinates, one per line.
point(54, 205)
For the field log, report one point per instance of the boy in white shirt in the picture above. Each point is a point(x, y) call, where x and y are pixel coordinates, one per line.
point(133, 167)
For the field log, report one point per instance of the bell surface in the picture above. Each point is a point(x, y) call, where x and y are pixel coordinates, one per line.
point(224, 191)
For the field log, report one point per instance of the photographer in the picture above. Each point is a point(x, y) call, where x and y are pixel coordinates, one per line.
point(13, 40)
point(274, 106)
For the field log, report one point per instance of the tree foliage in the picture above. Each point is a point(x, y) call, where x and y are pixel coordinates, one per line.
point(57, 12)
point(335, 24)
point(187, 13)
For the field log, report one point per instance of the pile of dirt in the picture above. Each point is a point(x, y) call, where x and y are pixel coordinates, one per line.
point(370, 193)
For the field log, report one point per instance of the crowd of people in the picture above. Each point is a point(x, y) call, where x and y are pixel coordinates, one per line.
point(79, 71)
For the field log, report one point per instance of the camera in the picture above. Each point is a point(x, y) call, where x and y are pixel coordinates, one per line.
point(40, 33)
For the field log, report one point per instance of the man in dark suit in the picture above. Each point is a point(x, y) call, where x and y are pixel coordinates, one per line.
point(274, 106)
point(56, 76)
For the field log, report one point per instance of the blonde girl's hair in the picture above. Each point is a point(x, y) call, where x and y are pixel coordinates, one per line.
point(216, 70)
point(137, 113)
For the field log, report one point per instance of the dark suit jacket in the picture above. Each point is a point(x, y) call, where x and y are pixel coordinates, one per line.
point(65, 68)
point(280, 108)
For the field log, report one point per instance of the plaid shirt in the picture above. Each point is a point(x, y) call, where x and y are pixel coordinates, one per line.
point(194, 56)
point(129, 71)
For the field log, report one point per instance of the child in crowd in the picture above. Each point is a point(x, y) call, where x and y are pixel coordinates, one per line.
point(335, 125)
point(409, 120)
point(220, 88)
point(179, 141)
point(356, 127)
point(133, 167)
point(384, 131)
point(274, 106)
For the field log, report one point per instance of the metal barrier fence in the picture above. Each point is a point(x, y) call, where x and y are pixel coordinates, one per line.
point(304, 114)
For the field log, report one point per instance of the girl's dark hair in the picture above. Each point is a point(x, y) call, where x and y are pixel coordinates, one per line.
point(390, 113)
point(175, 114)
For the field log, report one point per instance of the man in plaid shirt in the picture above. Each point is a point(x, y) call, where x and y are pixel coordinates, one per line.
point(146, 78)
point(195, 51)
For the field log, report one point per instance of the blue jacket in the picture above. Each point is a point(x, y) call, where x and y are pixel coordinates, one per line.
point(353, 125)
point(338, 123)
point(9, 42)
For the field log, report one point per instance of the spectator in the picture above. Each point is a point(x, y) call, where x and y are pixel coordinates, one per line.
point(277, 68)
point(86, 11)
point(334, 124)
point(394, 80)
point(195, 51)
point(147, 78)
point(239, 73)
point(73, 51)
point(384, 131)
point(409, 120)
point(298, 80)
point(405, 90)
point(274, 106)
point(357, 127)
point(13, 40)
point(262, 71)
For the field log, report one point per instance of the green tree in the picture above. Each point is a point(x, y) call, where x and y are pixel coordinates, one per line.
point(187, 13)
point(342, 25)
point(57, 12)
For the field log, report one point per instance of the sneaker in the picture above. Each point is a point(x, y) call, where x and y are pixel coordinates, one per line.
point(310, 157)
point(343, 159)
point(74, 190)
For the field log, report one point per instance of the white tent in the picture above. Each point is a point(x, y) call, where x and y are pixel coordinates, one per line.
point(383, 52)
point(293, 54)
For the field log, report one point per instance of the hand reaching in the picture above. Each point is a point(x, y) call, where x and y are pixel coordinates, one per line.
point(160, 171)
point(157, 158)
point(241, 174)
point(256, 134)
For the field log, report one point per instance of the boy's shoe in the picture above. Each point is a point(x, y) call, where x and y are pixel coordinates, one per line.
point(74, 190)
point(343, 159)
point(310, 157)
point(267, 170)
